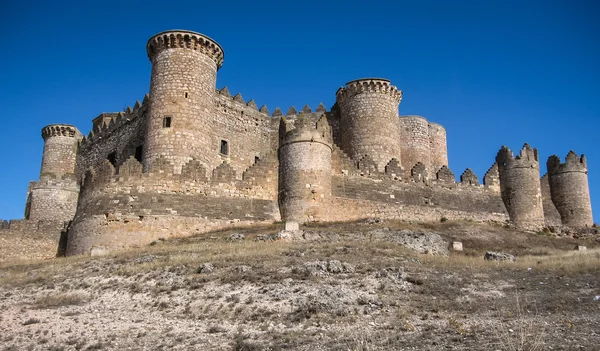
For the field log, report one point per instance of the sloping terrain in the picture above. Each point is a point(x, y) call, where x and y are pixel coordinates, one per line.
point(352, 286)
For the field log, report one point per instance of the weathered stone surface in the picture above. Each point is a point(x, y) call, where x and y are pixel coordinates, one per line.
point(520, 186)
point(498, 256)
point(457, 246)
point(206, 268)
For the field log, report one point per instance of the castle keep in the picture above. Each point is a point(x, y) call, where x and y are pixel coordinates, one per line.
point(190, 159)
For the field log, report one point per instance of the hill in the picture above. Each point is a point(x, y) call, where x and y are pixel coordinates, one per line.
point(349, 286)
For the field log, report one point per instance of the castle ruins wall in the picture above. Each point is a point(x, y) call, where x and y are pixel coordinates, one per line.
point(29, 239)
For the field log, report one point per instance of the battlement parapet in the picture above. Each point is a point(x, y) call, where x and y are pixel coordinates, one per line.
point(185, 39)
point(240, 103)
point(161, 178)
point(65, 130)
point(369, 85)
point(468, 177)
point(527, 158)
point(107, 122)
point(304, 128)
point(573, 163)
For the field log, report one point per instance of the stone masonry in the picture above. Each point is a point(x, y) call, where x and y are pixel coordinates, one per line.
point(191, 158)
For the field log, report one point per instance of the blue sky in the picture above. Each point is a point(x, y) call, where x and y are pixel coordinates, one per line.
point(492, 72)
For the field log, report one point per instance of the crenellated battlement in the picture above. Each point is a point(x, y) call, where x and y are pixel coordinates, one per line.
point(107, 122)
point(185, 39)
point(240, 103)
point(527, 158)
point(304, 128)
point(65, 130)
point(369, 85)
point(573, 163)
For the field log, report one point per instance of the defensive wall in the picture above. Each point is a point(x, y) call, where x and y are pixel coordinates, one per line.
point(29, 239)
point(133, 208)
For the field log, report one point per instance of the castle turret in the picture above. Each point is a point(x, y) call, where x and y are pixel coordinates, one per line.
point(520, 186)
point(569, 189)
point(182, 90)
point(438, 146)
point(414, 142)
point(304, 169)
point(369, 120)
point(54, 196)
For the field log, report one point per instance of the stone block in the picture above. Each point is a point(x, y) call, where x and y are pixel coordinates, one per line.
point(292, 225)
point(457, 246)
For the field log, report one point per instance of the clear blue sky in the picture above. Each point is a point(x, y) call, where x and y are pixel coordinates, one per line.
point(492, 72)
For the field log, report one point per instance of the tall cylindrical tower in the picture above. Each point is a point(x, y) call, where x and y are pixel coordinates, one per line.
point(520, 186)
point(414, 142)
point(182, 90)
point(569, 189)
point(61, 142)
point(54, 196)
point(438, 146)
point(369, 119)
point(304, 169)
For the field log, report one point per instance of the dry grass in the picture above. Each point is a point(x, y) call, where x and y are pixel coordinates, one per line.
point(565, 263)
point(61, 299)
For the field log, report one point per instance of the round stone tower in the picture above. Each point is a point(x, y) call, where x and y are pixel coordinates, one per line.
point(414, 142)
point(520, 186)
point(61, 142)
point(182, 90)
point(54, 196)
point(438, 146)
point(569, 189)
point(304, 169)
point(369, 119)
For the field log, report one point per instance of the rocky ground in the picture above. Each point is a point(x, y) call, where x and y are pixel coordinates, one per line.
point(360, 286)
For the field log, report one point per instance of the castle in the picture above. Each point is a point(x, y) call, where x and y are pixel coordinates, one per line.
point(190, 159)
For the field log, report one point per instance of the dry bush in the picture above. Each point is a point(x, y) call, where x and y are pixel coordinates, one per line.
point(525, 333)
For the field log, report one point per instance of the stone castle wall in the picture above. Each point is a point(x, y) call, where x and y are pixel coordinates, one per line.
point(53, 199)
point(121, 133)
point(550, 212)
point(135, 208)
point(250, 134)
point(29, 239)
